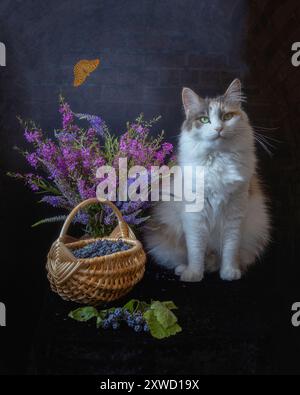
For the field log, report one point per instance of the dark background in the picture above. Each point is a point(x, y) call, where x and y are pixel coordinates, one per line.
point(149, 50)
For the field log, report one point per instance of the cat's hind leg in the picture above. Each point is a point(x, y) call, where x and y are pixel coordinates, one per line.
point(168, 249)
point(256, 229)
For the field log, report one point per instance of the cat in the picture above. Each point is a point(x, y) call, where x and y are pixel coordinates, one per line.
point(233, 227)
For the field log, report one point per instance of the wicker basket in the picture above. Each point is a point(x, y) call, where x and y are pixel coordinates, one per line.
point(95, 280)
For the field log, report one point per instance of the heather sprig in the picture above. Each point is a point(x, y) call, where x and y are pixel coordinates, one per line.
point(64, 165)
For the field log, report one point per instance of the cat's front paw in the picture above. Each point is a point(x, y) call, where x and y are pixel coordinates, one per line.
point(191, 275)
point(230, 274)
point(180, 269)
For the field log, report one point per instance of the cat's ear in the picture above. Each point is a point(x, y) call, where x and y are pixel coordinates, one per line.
point(234, 93)
point(191, 101)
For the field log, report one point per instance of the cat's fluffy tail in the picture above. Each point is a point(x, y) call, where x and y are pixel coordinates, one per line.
point(256, 229)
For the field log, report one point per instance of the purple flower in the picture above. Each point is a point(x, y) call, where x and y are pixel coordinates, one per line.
point(98, 162)
point(86, 157)
point(47, 151)
point(123, 145)
point(139, 128)
point(131, 207)
point(32, 159)
point(61, 166)
point(96, 122)
point(66, 137)
point(85, 191)
point(31, 180)
point(57, 168)
point(109, 220)
point(133, 219)
point(70, 157)
point(91, 134)
point(167, 148)
point(160, 156)
point(32, 137)
point(67, 115)
point(55, 201)
point(33, 186)
point(81, 218)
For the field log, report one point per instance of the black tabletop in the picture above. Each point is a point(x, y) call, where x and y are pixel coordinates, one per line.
point(227, 328)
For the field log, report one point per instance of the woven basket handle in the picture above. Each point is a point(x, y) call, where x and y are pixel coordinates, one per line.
point(122, 224)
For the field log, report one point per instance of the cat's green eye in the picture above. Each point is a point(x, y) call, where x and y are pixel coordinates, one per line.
point(228, 116)
point(204, 119)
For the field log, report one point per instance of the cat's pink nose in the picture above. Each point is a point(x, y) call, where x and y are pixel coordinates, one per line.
point(219, 129)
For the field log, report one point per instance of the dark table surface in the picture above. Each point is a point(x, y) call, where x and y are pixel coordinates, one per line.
point(228, 328)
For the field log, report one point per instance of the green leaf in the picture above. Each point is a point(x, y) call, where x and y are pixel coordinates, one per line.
point(173, 330)
point(157, 330)
point(83, 314)
point(170, 305)
point(59, 218)
point(143, 306)
point(161, 321)
point(164, 316)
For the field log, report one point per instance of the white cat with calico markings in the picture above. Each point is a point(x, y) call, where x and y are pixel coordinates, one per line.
point(232, 230)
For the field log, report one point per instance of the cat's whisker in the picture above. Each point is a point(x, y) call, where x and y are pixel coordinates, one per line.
point(267, 138)
point(263, 145)
point(264, 128)
point(264, 139)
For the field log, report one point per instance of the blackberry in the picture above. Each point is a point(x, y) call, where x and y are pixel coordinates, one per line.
point(111, 318)
point(138, 319)
point(130, 321)
point(100, 248)
point(118, 312)
point(105, 324)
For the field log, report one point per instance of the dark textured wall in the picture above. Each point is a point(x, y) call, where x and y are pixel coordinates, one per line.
point(149, 50)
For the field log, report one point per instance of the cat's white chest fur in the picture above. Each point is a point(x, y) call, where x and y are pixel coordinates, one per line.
point(222, 175)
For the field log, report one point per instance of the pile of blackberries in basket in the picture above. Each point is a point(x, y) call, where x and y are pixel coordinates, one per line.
point(101, 248)
point(136, 321)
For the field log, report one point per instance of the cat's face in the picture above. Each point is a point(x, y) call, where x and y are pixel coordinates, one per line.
point(216, 122)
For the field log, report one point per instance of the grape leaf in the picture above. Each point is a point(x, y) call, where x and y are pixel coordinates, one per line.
point(163, 315)
point(170, 305)
point(83, 314)
point(158, 330)
point(173, 330)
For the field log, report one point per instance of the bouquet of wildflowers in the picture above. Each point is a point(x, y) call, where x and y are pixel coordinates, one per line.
point(64, 167)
